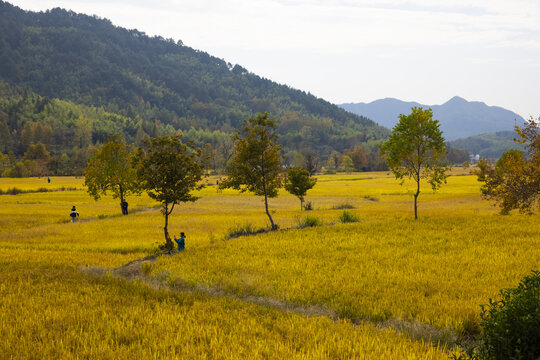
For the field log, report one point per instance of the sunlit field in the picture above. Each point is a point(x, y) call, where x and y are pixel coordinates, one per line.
point(384, 269)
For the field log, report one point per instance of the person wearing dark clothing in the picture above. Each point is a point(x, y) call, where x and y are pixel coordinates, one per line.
point(49, 180)
point(124, 206)
point(74, 214)
point(181, 242)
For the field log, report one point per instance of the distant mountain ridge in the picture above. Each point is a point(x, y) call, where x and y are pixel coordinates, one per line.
point(458, 117)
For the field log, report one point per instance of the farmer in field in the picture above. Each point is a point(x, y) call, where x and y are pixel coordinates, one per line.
point(74, 214)
point(181, 242)
point(124, 206)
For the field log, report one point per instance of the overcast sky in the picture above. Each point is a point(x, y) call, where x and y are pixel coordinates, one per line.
point(356, 50)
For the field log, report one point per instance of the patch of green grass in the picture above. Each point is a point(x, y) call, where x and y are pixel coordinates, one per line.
point(343, 206)
point(309, 221)
point(347, 217)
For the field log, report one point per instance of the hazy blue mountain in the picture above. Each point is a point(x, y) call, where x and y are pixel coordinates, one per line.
point(459, 118)
point(490, 145)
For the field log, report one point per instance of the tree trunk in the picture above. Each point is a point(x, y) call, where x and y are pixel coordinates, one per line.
point(416, 198)
point(301, 204)
point(168, 242)
point(121, 199)
point(274, 227)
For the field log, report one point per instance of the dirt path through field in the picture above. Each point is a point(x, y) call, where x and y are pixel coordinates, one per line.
point(134, 270)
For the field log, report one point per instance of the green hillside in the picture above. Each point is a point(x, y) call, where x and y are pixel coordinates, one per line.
point(490, 145)
point(158, 85)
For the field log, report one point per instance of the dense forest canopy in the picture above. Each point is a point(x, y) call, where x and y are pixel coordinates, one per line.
point(87, 60)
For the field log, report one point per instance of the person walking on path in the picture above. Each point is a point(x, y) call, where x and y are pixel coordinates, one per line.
point(74, 214)
point(181, 242)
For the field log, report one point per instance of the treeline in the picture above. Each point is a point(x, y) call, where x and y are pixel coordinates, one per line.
point(491, 145)
point(41, 136)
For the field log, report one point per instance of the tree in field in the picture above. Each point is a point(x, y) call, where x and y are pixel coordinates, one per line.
point(416, 149)
point(111, 168)
point(38, 152)
point(347, 164)
point(298, 182)
point(514, 183)
point(311, 163)
point(360, 158)
point(169, 171)
point(256, 164)
point(331, 165)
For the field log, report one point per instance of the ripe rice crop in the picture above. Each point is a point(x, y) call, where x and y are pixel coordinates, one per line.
point(52, 309)
point(385, 268)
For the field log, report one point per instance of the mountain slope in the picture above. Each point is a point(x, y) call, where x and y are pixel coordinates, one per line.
point(459, 118)
point(87, 60)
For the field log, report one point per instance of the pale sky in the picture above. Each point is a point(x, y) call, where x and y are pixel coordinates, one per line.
point(356, 50)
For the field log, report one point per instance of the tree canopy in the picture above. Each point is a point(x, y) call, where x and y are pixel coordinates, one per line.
point(256, 164)
point(298, 181)
point(111, 168)
point(514, 182)
point(169, 171)
point(416, 149)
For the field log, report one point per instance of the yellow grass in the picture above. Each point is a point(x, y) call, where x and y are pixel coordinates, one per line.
point(436, 271)
point(51, 309)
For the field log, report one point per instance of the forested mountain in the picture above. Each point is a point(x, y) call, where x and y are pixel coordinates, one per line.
point(458, 117)
point(138, 85)
point(490, 145)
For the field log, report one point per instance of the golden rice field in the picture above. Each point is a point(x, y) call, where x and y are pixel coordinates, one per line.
point(386, 268)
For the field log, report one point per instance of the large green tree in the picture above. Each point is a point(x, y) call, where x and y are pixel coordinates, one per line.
point(416, 149)
point(169, 171)
point(514, 183)
point(256, 164)
point(298, 182)
point(111, 168)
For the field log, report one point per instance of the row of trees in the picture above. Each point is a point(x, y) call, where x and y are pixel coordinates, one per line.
point(169, 169)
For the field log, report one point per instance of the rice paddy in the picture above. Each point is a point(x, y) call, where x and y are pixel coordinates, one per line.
point(384, 269)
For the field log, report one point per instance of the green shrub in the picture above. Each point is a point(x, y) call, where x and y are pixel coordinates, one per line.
point(308, 206)
point(343, 206)
point(511, 324)
point(309, 221)
point(348, 217)
point(243, 230)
